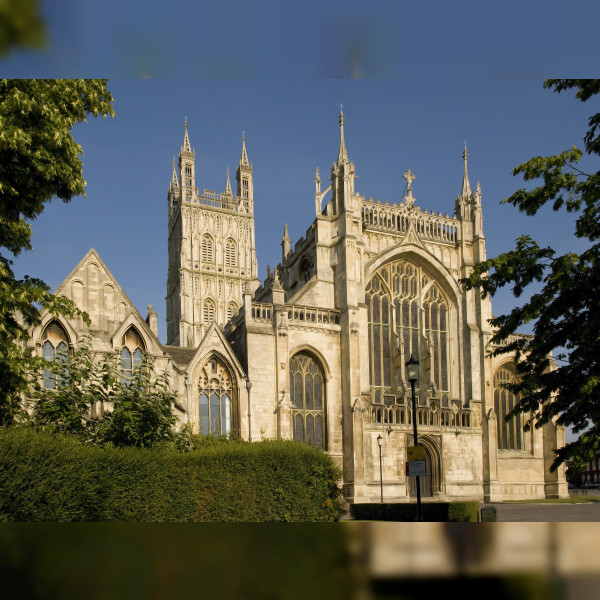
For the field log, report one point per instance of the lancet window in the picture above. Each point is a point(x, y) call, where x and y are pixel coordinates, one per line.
point(510, 434)
point(132, 353)
point(55, 348)
point(215, 397)
point(208, 312)
point(232, 310)
point(230, 253)
point(207, 249)
point(407, 314)
point(307, 390)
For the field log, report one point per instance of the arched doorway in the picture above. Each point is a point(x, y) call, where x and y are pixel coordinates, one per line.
point(424, 481)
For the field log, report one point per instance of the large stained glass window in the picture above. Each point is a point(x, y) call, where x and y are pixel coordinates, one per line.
point(510, 434)
point(307, 390)
point(407, 313)
point(215, 394)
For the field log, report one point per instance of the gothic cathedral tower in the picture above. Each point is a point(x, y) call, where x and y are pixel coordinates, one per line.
point(211, 249)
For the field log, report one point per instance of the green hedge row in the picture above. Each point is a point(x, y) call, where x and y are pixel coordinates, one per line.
point(47, 477)
point(430, 511)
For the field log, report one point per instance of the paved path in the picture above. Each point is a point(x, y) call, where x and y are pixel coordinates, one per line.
point(589, 511)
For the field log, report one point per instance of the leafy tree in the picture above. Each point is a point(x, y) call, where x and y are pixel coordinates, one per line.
point(80, 389)
point(89, 398)
point(20, 25)
point(142, 413)
point(39, 160)
point(566, 310)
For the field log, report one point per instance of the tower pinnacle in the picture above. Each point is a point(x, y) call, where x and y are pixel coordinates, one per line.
point(228, 184)
point(343, 153)
point(186, 140)
point(244, 159)
point(466, 186)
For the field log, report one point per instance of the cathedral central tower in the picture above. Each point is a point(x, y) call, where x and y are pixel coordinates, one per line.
point(211, 249)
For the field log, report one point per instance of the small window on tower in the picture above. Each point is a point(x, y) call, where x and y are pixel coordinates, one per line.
point(244, 188)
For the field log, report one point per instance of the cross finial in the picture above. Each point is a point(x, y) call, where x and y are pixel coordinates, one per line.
point(409, 179)
point(341, 107)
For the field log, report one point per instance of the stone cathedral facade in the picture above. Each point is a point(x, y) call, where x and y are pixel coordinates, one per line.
point(316, 352)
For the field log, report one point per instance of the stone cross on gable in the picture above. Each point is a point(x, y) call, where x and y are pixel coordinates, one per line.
point(409, 179)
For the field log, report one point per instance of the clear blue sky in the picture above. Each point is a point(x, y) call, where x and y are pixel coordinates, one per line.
point(290, 128)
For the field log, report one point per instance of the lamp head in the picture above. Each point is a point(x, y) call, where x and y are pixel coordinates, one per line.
point(412, 368)
point(248, 384)
point(379, 440)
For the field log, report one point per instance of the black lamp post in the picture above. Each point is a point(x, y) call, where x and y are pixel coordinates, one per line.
point(379, 442)
point(412, 374)
point(249, 387)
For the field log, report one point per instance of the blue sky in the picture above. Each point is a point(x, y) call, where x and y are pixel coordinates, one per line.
point(291, 128)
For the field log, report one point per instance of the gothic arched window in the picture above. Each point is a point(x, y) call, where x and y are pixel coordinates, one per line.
point(215, 399)
point(208, 312)
point(55, 347)
point(407, 313)
point(230, 253)
point(305, 270)
point(510, 434)
point(132, 353)
point(207, 249)
point(307, 391)
point(232, 310)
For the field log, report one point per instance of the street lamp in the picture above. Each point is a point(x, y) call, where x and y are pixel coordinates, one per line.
point(412, 374)
point(379, 442)
point(249, 387)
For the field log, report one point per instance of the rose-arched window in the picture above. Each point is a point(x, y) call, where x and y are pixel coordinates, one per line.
point(307, 391)
point(407, 314)
point(510, 434)
point(215, 399)
point(132, 353)
point(55, 348)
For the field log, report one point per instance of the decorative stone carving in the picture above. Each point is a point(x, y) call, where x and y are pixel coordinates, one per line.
point(361, 405)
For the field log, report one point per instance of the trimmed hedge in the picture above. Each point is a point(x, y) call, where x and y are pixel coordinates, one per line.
point(430, 511)
point(48, 477)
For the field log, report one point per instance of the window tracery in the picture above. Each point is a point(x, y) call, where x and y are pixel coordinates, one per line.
point(307, 395)
point(55, 347)
point(510, 434)
point(215, 397)
point(407, 313)
point(132, 353)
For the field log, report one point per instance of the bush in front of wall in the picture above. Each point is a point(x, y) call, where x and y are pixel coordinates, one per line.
point(52, 477)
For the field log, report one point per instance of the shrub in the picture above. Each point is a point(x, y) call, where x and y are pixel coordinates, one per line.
point(52, 477)
point(430, 511)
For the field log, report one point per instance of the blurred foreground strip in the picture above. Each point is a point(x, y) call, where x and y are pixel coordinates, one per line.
point(399, 550)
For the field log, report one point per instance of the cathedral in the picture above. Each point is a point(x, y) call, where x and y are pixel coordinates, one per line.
point(316, 352)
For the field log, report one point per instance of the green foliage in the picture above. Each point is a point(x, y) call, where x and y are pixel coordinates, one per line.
point(48, 477)
point(39, 160)
point(565, 309)
point(431, 511)
point(94, 402)
point(20, 25)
